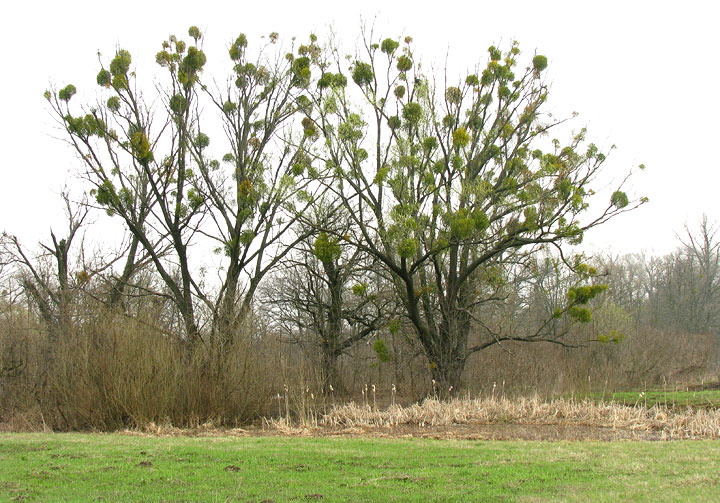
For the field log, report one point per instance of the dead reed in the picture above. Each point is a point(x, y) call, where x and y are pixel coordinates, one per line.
point(666, 422)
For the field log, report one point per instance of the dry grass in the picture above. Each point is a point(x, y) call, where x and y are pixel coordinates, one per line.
point(667, 423)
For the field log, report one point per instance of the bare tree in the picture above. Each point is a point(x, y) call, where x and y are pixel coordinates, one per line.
point(329, 295)
point(52, 293)
point(442, 181)
point(150, 164)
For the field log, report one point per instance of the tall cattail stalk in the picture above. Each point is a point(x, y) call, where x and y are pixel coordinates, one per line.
point(287, 406)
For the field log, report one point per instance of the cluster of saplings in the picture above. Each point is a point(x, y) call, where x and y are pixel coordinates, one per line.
point(307, 206)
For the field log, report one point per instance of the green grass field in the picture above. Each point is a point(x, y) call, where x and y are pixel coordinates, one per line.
point(671, 398)
point(111, 467)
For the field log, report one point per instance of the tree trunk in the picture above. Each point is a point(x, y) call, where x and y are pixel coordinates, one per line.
point(226, 320)
point(447, 377)
point(447, 358)
point(444, 341)
point(331, 344)
point(330, 373)
point(119, 286)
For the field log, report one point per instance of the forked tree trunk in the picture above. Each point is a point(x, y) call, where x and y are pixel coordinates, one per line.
point(447, 356)
point(443, 336)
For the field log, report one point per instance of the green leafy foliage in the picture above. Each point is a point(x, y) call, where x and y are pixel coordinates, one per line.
point(85, 126)
point(104, 78)
point(202, 140)
point(352, 129)
point(453, 95)
point(178, 104)
point(326, 249)
point(194, 32)
point(394, 122)
point(613, 336)
point(67, 92)
point(581, 314)
point(325, 81)
point(165, 59)
point(412, 113)
point(301, 71)
point(360, 289)
point(462, 225)
point(340, 80)
point(141, 147)
point(191, 65)
point(584, 294)
point(332, 80)
point(382, 351)
point(229, 107)
point(113, 103)
point(363, 74)
point(309, 128)
point(407, 248)
point(105, 194)
point(196, 199)
point(389, 46)
point(619, 199)
point(481, 220)
point(429, 144)
point(237, 49)
point(247, 236)
point(461, 138)
point(120, 64)
point(404, 63)
point(540, 63)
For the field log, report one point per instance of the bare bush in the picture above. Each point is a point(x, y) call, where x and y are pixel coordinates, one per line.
point(645, 359)
point(120, 373)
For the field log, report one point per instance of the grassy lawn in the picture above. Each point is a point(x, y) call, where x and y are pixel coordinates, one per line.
point(703, 398)
point(100, 467)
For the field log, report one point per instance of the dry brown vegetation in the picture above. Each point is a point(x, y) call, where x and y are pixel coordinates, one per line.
point(646, 359)
point(667, 423)
point(113, 372)
point(118, 373)
point(482, 418)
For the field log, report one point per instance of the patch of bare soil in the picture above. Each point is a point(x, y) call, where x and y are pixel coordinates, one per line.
point(506, 432)
point(542, 432)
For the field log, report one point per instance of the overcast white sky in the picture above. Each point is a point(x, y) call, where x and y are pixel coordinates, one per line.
point(642, 74)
